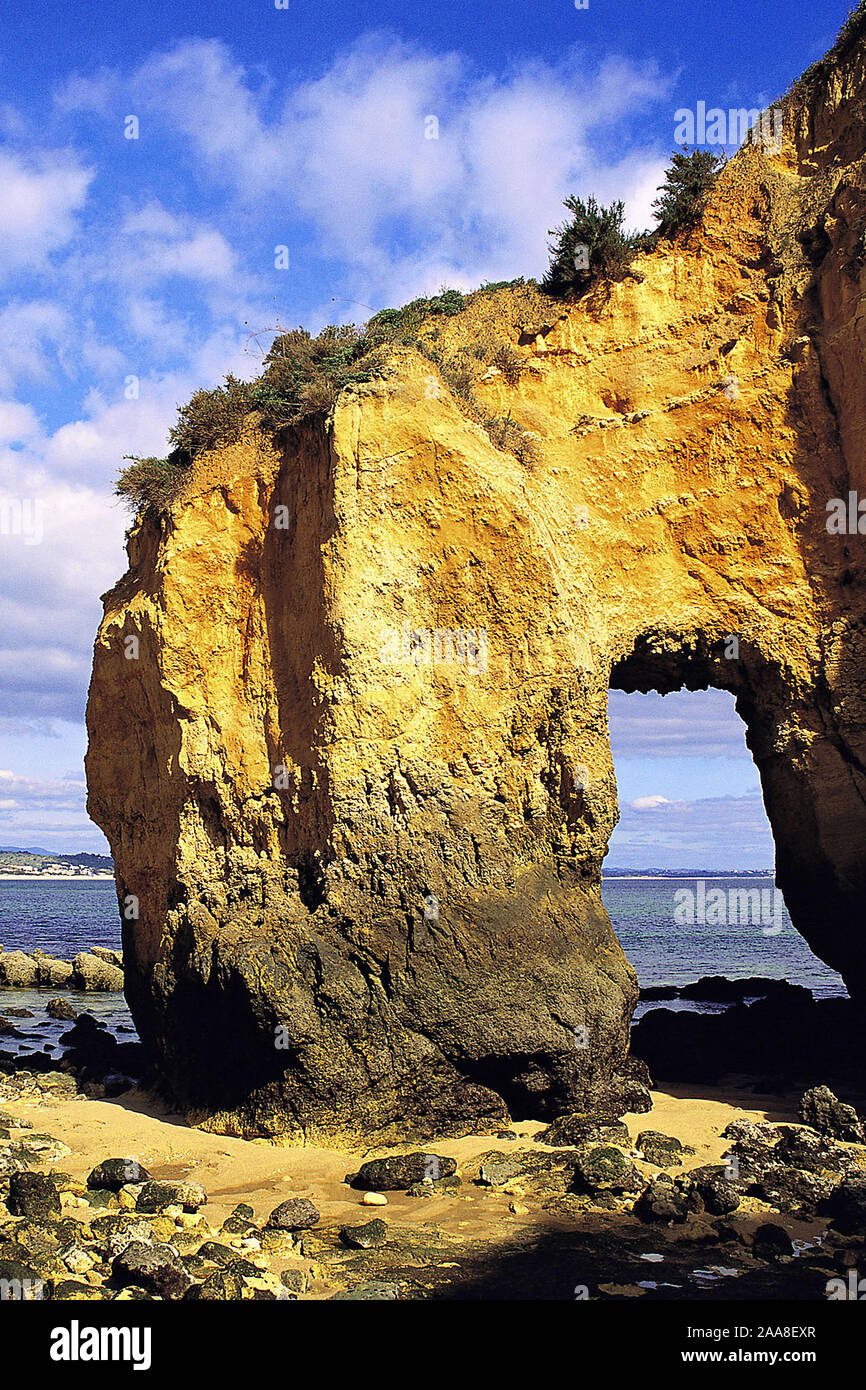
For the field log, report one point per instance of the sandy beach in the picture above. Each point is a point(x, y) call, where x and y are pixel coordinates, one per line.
point(263, 1174)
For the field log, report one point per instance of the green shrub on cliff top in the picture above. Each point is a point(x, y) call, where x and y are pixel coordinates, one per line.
point(684, 193)
point(589, 247)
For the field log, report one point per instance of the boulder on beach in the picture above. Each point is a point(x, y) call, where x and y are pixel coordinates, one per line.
point(114, 1173)
point(400, 1171)
point(156, 1196)
point(92, 973)
point(295, 1214)
point(824, 1112)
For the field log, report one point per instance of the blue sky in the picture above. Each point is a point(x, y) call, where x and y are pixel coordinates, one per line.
point(130, 269)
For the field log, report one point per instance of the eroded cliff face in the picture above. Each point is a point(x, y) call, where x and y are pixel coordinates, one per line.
point(358, 775)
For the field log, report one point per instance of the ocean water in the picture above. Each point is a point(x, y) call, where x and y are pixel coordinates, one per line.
point(57, 917)
point(61, 918)
point(64, 918)
point(664, 953)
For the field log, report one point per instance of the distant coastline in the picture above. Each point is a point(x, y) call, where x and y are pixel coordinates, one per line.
point(56, 878)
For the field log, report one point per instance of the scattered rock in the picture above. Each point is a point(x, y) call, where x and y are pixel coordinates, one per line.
point(847, 1206)
point(605, 1169)
point(397, 1173)
point(366, 1237)
point(715, 1188)
point(33, 1195)
point(570, 1131)
point(296, 1214)
point(820, 1109)
point(373, 1291)
point(661, 1202)
point(157, 1196)
point(770, 1242)
point(156, 1268)
point(661, 1149)
point(114, 1173)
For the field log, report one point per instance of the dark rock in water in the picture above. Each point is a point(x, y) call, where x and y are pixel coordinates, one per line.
point(847, 1206)
point(661, 1202)
point(156, 1196)
point(605, 1169)
point(156, 1268)
point(718, 1193)
point(114, 1173)
point(778, 1039)
point(654, 993)
point(366, 1237)
point(33, 1195)
point(296, 1214)
point(60, 1009)
point(718, 989)
point(570, 1131)
point(18, 1012)
point(397, 1173)
point(771, 1241)
point(662, 1149)
point(824, 1112)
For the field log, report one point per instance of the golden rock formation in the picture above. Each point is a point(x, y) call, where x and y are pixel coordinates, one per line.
point(358, 776)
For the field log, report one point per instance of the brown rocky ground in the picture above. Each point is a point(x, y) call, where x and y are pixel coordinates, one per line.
point(524, 1237)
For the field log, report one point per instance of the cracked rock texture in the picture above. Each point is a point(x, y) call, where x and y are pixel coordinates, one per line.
point(367, 863)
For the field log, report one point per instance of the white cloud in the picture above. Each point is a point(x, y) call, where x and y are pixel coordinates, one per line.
point(17, 422)
point(42, 193)
point(348, 151)
point(649, 803)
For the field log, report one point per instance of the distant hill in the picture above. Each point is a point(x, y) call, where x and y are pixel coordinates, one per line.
point(687, 873)
point(15, 860)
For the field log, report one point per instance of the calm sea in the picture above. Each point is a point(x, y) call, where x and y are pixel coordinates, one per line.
point(643, 915)
point(64, 918)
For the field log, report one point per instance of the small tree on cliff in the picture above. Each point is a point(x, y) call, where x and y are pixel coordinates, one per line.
point(686, 187)
point(589, 247)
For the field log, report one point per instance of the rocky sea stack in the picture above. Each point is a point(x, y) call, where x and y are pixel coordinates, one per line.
point(348, 732)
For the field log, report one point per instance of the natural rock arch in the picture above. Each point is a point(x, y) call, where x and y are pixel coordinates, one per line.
point(285, 784)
